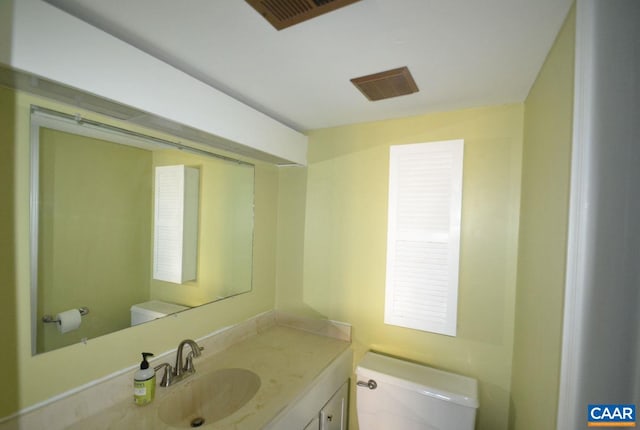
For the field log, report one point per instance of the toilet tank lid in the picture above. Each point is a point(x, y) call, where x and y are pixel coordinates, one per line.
point(425, 380)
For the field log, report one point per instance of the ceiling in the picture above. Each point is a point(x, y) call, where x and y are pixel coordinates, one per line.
point(461, 53)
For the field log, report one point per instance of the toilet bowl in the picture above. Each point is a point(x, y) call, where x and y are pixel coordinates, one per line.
point(396, 394)
point(147, 311)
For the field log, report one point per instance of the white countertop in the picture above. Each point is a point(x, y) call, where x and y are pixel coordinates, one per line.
point(287, 361)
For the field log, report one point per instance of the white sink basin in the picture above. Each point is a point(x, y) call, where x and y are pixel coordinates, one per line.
point(209, 398)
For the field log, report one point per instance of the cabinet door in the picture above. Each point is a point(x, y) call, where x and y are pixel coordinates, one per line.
point(334, 414)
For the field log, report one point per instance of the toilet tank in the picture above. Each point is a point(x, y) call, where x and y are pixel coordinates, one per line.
point(409, 396)
point(147, 311)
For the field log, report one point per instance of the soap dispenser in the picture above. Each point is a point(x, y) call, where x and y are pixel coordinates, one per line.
point(144, 382)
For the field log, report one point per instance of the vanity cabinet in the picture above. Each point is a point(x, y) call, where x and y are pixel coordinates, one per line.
point(333, 415)
point(323, 403)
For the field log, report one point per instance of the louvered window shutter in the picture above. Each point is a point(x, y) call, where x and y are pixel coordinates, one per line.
point(423, 239)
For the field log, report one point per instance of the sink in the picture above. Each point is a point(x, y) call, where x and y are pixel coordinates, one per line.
point(209, 398)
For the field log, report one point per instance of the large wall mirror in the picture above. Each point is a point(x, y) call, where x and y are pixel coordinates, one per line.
point(95, 229)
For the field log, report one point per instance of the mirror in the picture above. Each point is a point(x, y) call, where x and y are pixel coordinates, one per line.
point(92, 226)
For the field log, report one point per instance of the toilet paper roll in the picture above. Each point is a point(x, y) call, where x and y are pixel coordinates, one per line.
point(69, 320)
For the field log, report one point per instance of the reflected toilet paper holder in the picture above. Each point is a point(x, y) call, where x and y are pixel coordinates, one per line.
point(50, 319)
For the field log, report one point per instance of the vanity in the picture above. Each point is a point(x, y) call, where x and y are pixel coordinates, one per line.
point(270, 372)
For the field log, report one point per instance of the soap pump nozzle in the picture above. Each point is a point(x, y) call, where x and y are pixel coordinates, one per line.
point(145, 364)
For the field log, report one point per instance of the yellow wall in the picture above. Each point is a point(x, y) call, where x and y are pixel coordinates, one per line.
point(9, 393)
point(94, 229)
point(345, 226)
point(31, 379)
point(543, 236)
point(225, 231)
point(291, 219)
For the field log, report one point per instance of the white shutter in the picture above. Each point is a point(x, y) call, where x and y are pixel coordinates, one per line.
point(175, 244)
point(423, 239)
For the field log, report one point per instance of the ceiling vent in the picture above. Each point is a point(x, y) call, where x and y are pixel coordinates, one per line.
point(285, 13)
point(384, 85)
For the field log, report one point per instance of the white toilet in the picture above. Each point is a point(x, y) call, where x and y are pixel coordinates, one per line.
point(147, 311)
point(396, 394)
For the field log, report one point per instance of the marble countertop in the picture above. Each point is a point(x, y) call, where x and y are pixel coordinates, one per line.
point(287, 360)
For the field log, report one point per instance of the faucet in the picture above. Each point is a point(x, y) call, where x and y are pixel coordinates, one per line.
point(182, 369)
point(187, 367)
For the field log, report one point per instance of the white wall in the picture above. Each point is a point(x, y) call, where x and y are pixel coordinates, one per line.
point(601, 327)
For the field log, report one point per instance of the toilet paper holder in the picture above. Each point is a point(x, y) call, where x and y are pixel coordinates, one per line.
point(49, 319)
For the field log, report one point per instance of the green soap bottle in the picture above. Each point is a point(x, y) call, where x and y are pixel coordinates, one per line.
point(144, 382)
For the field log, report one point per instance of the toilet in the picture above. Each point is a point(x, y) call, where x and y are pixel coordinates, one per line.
point(147, 311)
point(396, 394)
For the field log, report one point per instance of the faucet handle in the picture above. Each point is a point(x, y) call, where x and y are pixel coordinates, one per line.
point(188, 366)
point(197, 350)
point(166, 378)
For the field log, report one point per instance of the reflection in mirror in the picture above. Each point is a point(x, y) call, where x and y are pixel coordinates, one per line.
point(92, 224)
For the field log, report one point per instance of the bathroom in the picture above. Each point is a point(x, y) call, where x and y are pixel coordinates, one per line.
point(319, 248)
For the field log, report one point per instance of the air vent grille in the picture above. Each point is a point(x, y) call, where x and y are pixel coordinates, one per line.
point(387, 84)
point(285, 13)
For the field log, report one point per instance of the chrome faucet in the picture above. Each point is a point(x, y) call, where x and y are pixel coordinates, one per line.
point(186, 367)
point(181, 369)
